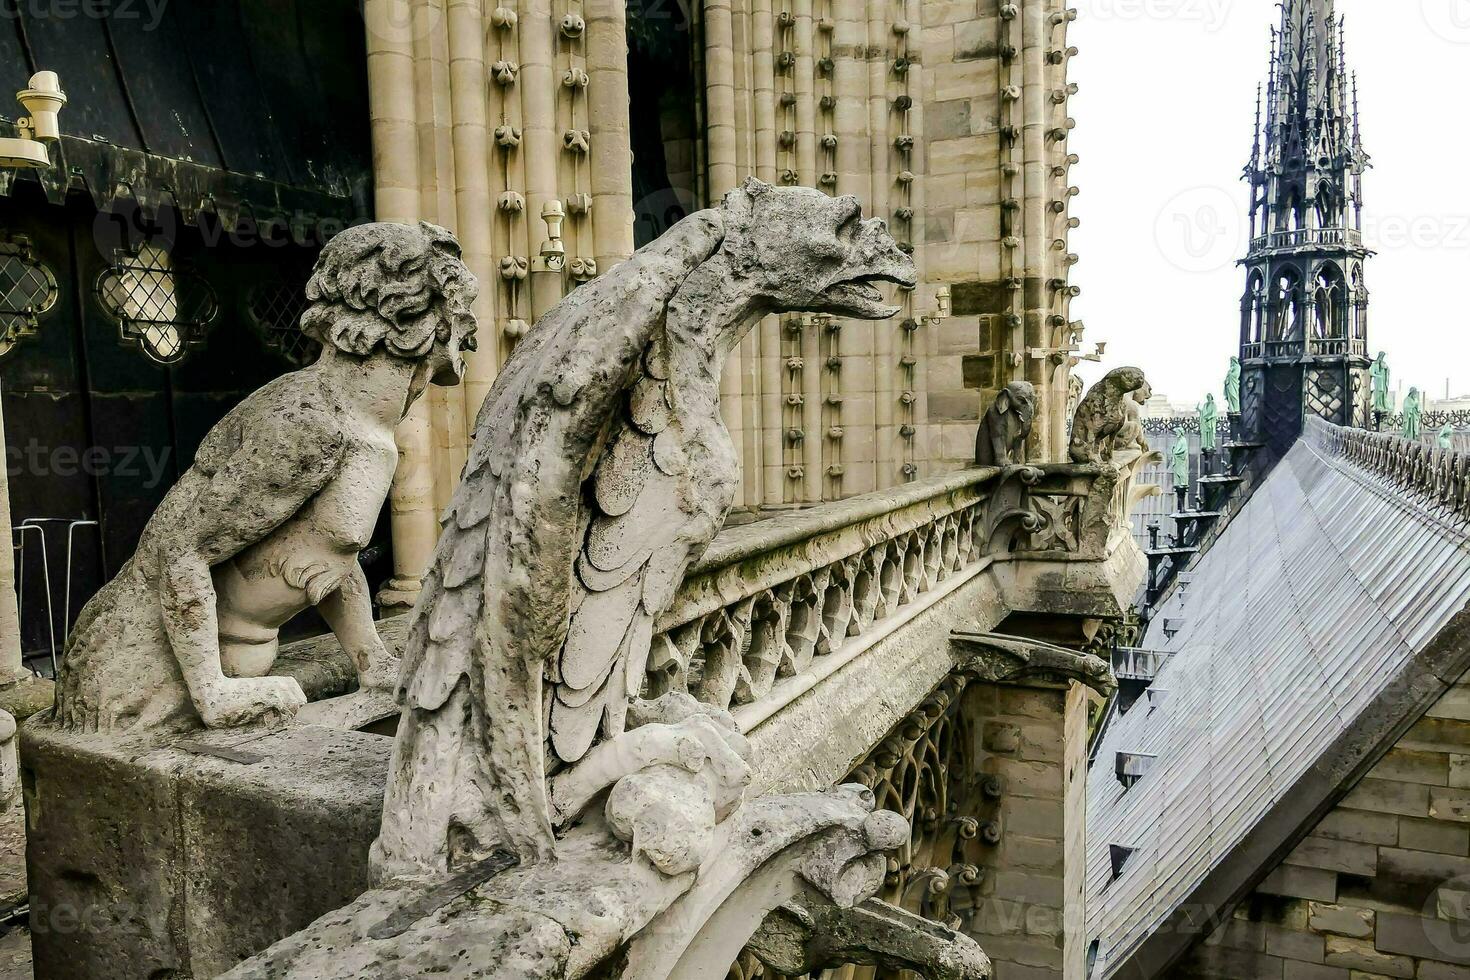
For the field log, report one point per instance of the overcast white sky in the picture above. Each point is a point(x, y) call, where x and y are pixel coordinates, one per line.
point(1164, 111)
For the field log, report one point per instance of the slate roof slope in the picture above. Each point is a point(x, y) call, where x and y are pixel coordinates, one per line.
point(1313, 630)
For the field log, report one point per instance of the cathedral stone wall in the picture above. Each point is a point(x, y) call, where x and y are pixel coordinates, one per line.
point(1381, 885)
point(509, 123)
point(1028, 903)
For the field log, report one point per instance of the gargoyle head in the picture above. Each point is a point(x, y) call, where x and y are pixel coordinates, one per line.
point(1125, 380)
point(800, 250)
point(1018, 397)
point(398, 287)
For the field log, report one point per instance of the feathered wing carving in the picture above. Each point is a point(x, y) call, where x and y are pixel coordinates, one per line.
point(572, 485)
point(635, 513)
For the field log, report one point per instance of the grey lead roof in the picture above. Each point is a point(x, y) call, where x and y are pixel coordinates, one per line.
point(1326, 587)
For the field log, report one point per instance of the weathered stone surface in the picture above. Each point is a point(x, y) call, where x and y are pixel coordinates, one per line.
point(584, 528)
point(1335, 855)
point(187, 853)
point(1293, 882)
point(1358, 954)
point(560, 920)
point(1006, 426)
point(1424, 938)
point(809, 935)
point(283, 494)
point(1351, 922)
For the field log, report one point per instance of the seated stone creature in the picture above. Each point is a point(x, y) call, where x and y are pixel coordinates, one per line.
point(283, 495)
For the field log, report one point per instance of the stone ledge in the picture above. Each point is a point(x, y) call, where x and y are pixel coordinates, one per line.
point(146, 871)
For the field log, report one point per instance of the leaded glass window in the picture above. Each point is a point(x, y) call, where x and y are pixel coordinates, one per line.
point(161, 308)
point(27, 291)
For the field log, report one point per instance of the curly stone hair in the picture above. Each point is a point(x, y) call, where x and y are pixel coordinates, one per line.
point(398, 285)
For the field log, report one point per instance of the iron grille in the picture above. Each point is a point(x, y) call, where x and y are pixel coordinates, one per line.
point(27, 290)
point(275, 307)
point(161, 308)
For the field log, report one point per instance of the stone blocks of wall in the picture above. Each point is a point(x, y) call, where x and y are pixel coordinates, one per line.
point(1033, 738)
point(184, 856)
point(1380, 887)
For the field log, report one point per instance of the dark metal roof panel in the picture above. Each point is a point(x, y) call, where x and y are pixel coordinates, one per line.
point(261, 104)
point(1315, 599)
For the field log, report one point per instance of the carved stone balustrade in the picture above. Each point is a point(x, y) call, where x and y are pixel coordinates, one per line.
point(1438, 477)
point(773, 621)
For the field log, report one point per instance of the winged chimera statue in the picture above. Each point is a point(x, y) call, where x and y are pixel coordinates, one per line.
point(600, 471)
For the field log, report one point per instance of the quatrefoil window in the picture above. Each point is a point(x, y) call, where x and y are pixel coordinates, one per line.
point(275, 307)
point(161, 308)
point(27, 291)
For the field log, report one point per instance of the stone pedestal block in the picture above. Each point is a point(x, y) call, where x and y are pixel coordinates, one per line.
point(165, 858)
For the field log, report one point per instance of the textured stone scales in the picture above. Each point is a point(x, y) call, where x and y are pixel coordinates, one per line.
point(601, 469)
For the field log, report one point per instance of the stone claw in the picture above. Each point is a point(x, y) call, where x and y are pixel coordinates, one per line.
point(238, 701)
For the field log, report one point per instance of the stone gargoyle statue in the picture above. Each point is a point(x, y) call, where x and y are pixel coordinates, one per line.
point(1108, 429)
point(1006, 426)
point(283, 494)
point(600, 471)
point(1105, 411)
point(542, 820)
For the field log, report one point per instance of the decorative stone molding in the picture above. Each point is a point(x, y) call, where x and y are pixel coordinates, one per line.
point(1003, 659)
point(774, 599)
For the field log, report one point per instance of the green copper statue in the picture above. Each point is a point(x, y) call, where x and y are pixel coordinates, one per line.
point(1209, 418)
point(1232, 387)
point(1447, 437)
point(1413, 409)
point(1379, 373)
point(1179, 466)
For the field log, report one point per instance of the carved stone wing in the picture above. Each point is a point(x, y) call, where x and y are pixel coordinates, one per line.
point(637, 547)
point(504, 592)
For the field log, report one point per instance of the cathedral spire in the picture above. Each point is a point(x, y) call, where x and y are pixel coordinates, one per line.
point(1304, 314)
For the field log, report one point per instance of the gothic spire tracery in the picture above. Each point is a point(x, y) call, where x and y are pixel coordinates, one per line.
point(1304, 312)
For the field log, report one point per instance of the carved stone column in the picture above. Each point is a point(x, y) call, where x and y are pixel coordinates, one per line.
point(505, 121)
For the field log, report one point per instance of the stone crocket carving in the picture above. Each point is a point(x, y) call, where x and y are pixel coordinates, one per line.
point(1103, 415)
point(600, 471)
point(1006, 425)
point(283, 494)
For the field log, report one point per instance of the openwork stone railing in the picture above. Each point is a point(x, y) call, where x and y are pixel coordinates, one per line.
point(1439, 477)
point(1429, 421)
point(1165, 424)
point(1307, 236)
point(1134, 664)
point(779, 598)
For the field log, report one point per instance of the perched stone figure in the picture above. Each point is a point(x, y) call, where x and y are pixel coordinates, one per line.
point(1074, 398)
point(1446, 437)
point(1380, 376)
point(1232, 387)
point(1179, 460)
point(600, 471)
point(283, 494)
point(1413, 412)
point(1209, 421)
point(1179, 468)
point(1131, 436)
point(1006, 426)
point(1103, 414)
